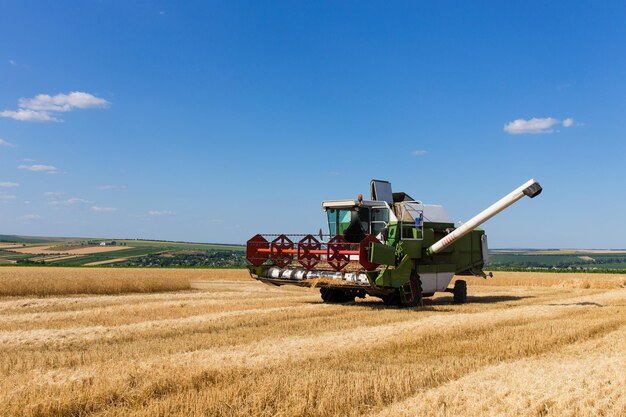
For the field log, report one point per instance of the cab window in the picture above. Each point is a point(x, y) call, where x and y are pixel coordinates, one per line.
point(353, 222)
point(380, 219)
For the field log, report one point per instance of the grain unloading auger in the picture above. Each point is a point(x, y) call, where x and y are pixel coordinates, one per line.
point(390, 246)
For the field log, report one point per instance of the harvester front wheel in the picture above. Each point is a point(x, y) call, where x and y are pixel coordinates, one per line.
point(459, 292)
point(412, 296)
point(332, 295)
point(392, 299)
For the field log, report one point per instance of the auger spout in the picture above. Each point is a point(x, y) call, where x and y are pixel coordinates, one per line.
point(531, 189)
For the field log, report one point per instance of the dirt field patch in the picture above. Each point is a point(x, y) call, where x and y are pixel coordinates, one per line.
point(10, 245)
point(35, 250)
point(88, 250)
point(108, 261)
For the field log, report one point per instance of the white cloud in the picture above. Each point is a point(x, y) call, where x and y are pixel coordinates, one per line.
point(42, 107)
point(5, 143)
point(6, 197)
point(76, 200)
point(53, 194)
point(532, 126)
point(103, 209)
point(27, 115)
point(62, 102)
point(40, 168)
point(419, 152)
point(31, 217)
point(160, 213)
point(569, 122)
point(69, 201)
point(9, 184)
point(111, 187)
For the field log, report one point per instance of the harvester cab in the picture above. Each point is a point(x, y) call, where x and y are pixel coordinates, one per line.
point(391, 246)
point(356, 219)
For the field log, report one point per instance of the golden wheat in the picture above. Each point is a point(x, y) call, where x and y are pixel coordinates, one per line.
point(237, 347)
point(551, 279)
point(45, 281)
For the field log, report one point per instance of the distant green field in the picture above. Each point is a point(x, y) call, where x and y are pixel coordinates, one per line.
point(182, 245)
point(105, 256)
point(28, 239)
point(154, 253)
point(559, 260)
point(135, 253)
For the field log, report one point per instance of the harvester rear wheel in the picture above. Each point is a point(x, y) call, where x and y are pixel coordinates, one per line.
point(332, 295)
point(460, 292)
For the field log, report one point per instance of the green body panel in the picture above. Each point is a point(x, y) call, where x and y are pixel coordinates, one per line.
point(396, 277)
point(463, 257)
point(412, 248)
point(468, 256)
point(382, 254)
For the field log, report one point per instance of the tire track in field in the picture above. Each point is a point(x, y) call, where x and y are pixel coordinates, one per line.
point(95, 301)
point(273, 351)
point(43, 318)
point(57, 337)
point(264, 352)
point(76, 334)
point(590, 373)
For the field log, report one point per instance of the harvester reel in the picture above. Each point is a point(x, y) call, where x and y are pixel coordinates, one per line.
point(279, 245)
point(256, 257)
point(306, 257)
point(364, 253)
point(337, 258)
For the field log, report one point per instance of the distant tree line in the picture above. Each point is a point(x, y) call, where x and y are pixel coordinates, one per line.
point(223, 259)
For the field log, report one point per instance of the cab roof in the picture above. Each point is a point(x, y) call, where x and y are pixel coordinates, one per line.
point(352, 203)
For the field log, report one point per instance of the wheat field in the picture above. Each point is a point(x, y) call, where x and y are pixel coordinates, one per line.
point(131, 342)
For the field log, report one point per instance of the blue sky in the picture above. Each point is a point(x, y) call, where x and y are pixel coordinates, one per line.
point(213, 121)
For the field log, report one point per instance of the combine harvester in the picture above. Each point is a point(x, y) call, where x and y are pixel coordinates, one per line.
point(390, 246)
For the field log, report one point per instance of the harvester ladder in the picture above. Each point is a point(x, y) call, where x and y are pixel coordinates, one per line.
point(411, 292)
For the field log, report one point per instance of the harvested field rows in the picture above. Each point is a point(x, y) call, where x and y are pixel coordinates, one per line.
point(526, 344)
point(108, 261)
point(10, 245)
point(43, 250)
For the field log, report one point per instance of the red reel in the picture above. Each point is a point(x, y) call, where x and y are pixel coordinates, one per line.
point(336, 256)
point(364, 253)
point(307, 259)
point(279, 246)
point(253, 255)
